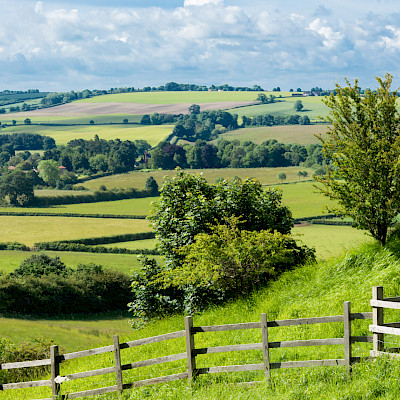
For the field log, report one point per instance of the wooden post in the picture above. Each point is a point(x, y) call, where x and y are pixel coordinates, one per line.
point(55, 371)
point(377, 319)
point(118, 369)
point(347, 335)
point(265, 348)
point(191, 357)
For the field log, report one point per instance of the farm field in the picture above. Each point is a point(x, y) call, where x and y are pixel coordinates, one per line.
point(137, 179)
point(29, 230)
point(314, 108)
point(119, 207)
point(63, 134)
point(136, 244)
point(11, 259)
point(301, 134)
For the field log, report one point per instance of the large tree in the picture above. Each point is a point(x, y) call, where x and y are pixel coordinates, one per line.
point(363, 148)
point(17, 188)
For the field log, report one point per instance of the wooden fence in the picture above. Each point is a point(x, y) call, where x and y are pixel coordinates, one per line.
point(190, 353)
point(378, 327)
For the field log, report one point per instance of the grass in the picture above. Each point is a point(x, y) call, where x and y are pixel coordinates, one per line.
point(314, 108)
point(10, 260)
point(137, 179)
point(176, 97)
point(301, 134)
point(119, 207)
point(311, 290)
point(63, 134)
point(136, 244)
point(29, 230)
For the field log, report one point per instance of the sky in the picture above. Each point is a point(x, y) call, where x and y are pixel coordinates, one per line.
point(57, 45)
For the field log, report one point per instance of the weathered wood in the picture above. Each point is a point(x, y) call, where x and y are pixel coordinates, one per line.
point(154, 361)
point(93, 392)
point(231, 368)
point(117, 358)
point(152, 381)
point(85, 353)
point(396, 298)
point(232, 347)
point(361, 315)
point(265, 347)
point(55, 371)
point(377, 318)
point(392, 324)
point(305, 321)
point(22, 385)
point(376, 329)
point(309, 342)
point(190, 348)
point(309, 363)
point(227, 327)
point(25, 364)
point(153, 339)
point(87, 374)
point(361, 339)
point(385, 304)
point(347, 334)
point(384, 353)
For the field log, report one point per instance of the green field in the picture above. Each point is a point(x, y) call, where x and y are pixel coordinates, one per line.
point(11, 259)
point(29, 230)
point(118, 207)
point(301, 134)
point(177, 97)
point(63, 134)
point(137, 179)
point(314, 108)
point(136, 244)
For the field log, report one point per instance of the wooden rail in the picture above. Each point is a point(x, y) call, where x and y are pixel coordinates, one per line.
point(191, 352)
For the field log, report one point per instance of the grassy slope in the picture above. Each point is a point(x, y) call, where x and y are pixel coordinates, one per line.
point(301, 134)
point(312, 290)
point(63, 134)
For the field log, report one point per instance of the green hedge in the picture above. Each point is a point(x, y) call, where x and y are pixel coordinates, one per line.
point(107, 195)
point(331, 222)
point(13, 246)
point(47, 214)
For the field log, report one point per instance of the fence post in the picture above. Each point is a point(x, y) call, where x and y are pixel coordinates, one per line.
point(377, 319)
point(191, 356)
point(118, 369)
point(55, 371)
point(347, 334)
point(265, 348)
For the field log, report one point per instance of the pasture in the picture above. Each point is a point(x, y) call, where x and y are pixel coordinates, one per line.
point(301, 134)
point(137, 179)
point(63, 134)
point(29, 230)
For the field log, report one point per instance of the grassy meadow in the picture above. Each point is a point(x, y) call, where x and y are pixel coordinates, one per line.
point(63, 134)
point(301, 134)
point(310, 290)
point(29, 230)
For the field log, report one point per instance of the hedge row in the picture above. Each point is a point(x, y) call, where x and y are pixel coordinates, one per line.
point(331, 222)
point(13, 246)
point(318, 217)
point(47, 214)
point(63, 246)
point(107, 195)
point(56, 295)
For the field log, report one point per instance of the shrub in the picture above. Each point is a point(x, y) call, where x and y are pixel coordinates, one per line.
point(42, 264)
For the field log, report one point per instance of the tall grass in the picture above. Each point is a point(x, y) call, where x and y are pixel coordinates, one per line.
point(311, 290)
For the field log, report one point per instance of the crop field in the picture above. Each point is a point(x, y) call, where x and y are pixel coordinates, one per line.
point(29, 230)
point(137, 179)
point(63, 134)
point(301, 134)
point(191, 97)
point(136, 244)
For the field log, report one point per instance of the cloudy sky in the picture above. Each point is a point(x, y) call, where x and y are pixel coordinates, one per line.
point(59, 45)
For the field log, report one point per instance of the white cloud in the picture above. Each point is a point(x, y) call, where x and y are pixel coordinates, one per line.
point(202, 2)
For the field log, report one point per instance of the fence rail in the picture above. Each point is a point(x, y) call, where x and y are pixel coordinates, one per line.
point(191, 352)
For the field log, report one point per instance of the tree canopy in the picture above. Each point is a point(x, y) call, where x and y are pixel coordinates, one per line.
point(363, 147)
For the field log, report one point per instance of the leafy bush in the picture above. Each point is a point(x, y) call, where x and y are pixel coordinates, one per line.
point(42, 264)
point(38, 349)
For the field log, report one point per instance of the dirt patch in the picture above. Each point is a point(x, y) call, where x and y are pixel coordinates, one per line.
point(301, 224)
point(89, 109)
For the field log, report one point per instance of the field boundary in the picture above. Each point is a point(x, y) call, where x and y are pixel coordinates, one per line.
point(79, 215)
point(190, 352)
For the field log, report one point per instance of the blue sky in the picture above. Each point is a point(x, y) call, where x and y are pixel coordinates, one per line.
point(71, 45)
